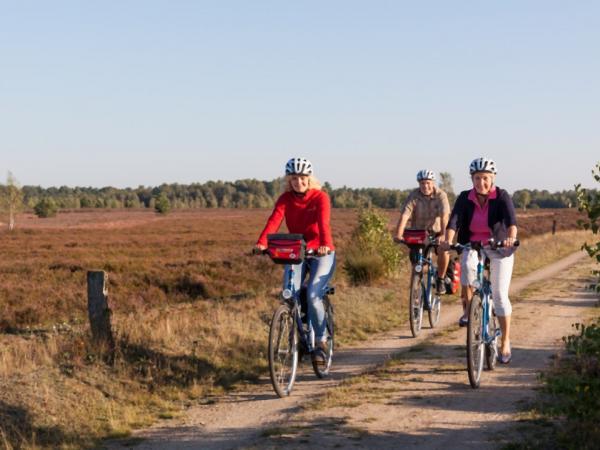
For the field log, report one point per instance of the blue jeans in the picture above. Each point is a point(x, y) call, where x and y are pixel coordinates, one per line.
point(321, 270)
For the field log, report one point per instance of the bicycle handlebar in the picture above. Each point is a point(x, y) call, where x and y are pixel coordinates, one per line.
point(312, 253)
point(433, 240)
point(491, 244)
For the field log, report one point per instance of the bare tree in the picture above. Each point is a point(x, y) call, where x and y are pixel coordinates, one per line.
point(447, 185)
point(13, 199)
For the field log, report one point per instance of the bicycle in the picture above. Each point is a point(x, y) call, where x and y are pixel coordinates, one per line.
point(291, 335)
point(482, 328)
point(422, 295)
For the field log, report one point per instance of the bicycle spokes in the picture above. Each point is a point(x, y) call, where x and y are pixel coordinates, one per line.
point(475, 343)
point(283, 351)
point(416, 303)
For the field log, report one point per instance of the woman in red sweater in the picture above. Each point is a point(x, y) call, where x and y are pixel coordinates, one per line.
point(306, 209)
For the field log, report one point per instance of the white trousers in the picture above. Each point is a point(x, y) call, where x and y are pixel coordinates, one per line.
point(501, 268)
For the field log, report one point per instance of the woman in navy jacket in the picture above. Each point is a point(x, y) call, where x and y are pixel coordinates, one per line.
point(481, 213)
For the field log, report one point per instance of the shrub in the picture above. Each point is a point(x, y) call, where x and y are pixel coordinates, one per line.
point(162, 204)
point(363, 268)
point(589, 202)
point(46, 207)
point(574, 390)
point(372, 252)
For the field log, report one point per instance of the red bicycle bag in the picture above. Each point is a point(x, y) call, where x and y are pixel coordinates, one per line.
point(286, 248)
point(415, 237)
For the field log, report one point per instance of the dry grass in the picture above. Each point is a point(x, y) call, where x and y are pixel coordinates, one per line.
point(541, 250)
point(191, 314)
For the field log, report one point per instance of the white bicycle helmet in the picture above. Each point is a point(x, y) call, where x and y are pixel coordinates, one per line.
point(483, 165)
point(425, 174)
point(298, 166)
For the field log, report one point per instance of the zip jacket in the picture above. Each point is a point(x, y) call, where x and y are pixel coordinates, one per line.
point(307, 214)
point(501, 215)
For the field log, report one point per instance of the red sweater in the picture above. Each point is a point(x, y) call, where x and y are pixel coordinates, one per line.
point(307, 215)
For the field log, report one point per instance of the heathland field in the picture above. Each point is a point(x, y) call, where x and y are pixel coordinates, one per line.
point(191, 312)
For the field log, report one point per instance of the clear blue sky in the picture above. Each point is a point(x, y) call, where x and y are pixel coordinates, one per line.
point(125, 93)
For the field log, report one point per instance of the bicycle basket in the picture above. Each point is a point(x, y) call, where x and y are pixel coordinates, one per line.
point(286, 248)
point(415, 237)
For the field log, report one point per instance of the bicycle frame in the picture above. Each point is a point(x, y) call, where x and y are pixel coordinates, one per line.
point(418, 267)
point(306, 339)
point(484, 289)
point(481, 340)
point(289, 337)
point(421, 263)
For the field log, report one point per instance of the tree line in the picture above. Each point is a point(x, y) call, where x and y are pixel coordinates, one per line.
point(249, 193)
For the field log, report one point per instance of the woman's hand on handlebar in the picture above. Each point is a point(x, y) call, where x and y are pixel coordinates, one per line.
point(259, 249)
point(323, 250)
point(510, 242)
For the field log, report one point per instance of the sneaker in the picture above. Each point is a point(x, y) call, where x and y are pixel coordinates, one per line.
point(463, 321)
point(504, 359)
point(440, 286)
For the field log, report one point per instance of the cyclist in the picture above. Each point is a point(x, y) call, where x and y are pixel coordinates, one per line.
point(427, 208)
point(481, 213)
point(306, 209)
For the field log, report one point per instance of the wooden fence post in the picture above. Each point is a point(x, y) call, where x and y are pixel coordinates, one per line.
point(99, 311)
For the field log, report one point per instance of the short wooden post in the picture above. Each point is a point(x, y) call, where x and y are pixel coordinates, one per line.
point(554, 226)
point(99, 311)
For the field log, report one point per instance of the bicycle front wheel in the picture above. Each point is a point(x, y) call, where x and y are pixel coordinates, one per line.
point(435, 309)
point(283, 351)
point(435, 301)
point(475, 344)
point(322, 370)
point(415, 304)
point(491, 348)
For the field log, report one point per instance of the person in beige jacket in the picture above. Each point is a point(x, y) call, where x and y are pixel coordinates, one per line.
point(427, 208)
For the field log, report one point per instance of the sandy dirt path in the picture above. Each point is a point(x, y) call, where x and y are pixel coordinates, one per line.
point(421, 399)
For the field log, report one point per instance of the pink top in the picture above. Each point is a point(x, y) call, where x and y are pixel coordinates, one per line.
point(480, 231)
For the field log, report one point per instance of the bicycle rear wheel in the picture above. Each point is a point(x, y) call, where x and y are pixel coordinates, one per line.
point(435, 309)
point(475, 345)
point(491, 348)
point(415, 304)
point(322, 370)
point(283, 351)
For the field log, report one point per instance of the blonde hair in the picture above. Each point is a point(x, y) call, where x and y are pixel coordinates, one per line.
point(313, 183)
